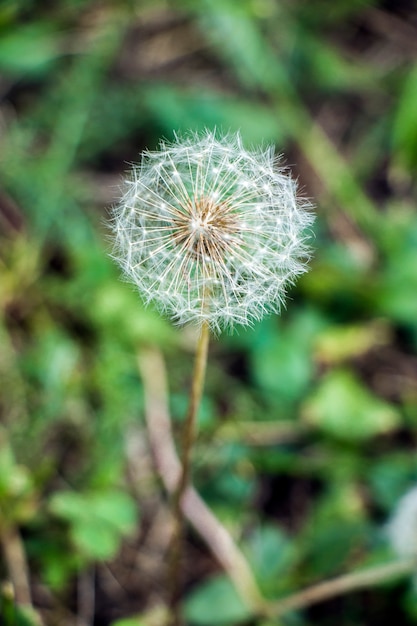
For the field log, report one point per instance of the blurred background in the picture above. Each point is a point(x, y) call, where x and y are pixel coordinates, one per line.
point(307, 430)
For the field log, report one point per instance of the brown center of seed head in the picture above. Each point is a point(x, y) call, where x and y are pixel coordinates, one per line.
point(205, 228)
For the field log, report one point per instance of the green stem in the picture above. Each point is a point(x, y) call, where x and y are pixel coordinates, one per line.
point(189, 433)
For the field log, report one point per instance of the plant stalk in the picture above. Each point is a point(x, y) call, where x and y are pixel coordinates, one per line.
point(211, 530)
point(15, 558)
point(347, 583)
point(188, 438)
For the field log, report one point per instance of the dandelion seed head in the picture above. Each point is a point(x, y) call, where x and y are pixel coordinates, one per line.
point(209, 231)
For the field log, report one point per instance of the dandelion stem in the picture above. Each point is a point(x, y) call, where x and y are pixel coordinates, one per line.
point(211, 530)
point(188, 437)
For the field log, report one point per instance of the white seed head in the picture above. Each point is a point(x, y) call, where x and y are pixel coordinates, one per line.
point(402, 528)
point(209, 231)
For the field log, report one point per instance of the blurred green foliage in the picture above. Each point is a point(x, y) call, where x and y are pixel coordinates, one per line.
point(307, 431)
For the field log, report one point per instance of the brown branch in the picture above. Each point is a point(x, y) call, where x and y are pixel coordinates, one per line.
point(15, 557)
point(216, 536)
point(341, 585)
point(85, 597)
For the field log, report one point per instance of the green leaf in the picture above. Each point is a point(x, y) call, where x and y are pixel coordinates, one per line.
point(129, 621)
point(98, 520)
point(341, 342)
point(390, 478)
point(17, 491)
point(28, 48)
point(332, 545)
point(97, 541)
point(27, 616)
point(342, 407)
point(238, 38)
point(119, 310)
point(336, 528)
point(397, 297)
point(174, 108)
point(281, 361)
point(216, 603)
point(271, 555)
point(329, 69)
point(404, 135)
point(13, 615)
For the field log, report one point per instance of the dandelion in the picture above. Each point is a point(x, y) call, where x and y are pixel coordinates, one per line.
point(210, 232)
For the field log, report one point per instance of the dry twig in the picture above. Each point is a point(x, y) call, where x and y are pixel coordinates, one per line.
point(216, 536)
